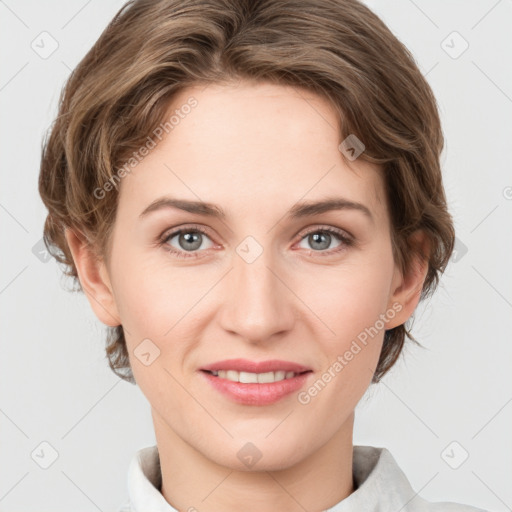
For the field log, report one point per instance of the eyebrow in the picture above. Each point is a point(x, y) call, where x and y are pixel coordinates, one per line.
point(299, 210)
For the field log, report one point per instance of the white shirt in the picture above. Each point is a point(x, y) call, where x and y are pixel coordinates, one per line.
point(381, 486)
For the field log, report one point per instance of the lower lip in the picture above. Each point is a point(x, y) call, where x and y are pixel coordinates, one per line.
point(257, 394)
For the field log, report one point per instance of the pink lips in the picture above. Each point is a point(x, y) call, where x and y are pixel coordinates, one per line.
point(244, 365)
point(256, 393)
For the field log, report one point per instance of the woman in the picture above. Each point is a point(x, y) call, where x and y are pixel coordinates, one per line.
point(250, 195)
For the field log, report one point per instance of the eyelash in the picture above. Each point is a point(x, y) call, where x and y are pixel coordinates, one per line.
point(346, 240)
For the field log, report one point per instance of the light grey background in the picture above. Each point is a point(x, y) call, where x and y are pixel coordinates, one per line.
point(56, 386)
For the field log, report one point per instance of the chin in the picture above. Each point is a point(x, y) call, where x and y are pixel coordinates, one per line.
point(258, 454)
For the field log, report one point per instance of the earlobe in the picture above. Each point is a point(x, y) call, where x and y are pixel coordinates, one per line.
point(94, 279)
point(407, 287)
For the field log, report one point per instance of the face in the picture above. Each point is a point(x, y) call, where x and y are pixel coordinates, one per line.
point(267, 280)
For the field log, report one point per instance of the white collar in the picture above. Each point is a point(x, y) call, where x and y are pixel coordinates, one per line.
point(381, 486)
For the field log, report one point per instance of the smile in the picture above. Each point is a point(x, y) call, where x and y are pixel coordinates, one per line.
point(255, 382)
point(254, 378)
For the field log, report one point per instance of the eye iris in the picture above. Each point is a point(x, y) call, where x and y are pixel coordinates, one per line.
point(315, 237)
point(190, 237)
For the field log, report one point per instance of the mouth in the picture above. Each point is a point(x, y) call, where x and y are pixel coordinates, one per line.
point(256, 383)
point(254, 378)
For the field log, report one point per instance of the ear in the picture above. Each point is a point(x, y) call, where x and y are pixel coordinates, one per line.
point(94, 279)
point(406, 289)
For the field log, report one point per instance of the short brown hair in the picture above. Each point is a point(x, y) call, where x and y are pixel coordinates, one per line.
point(339, 49)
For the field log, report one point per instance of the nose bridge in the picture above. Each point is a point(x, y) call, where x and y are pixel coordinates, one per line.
point(257, 303)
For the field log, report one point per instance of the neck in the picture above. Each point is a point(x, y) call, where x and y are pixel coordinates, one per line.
point(191, 481)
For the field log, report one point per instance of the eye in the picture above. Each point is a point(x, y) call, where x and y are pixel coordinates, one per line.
point(321, 238)
point(188, 240)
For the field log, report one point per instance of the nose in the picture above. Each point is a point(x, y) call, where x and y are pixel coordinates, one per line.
point(259, 305)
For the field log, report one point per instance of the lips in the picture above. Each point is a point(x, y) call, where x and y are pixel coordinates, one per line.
point(256, 382)
point(244, 365)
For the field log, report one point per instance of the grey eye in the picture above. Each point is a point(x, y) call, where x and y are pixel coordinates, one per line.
point(319, 240)
point(188, 241)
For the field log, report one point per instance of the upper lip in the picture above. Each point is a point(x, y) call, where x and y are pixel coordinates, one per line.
point(244, 365)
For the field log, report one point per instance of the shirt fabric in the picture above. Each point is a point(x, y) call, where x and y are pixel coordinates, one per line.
point(380, 486)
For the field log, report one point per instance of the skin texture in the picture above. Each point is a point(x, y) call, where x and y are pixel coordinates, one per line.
point(254, 150)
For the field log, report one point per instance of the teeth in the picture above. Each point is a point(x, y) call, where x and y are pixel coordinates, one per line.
point(249, 378)
point(244, 377)
point(231, 375)
point(263, 378)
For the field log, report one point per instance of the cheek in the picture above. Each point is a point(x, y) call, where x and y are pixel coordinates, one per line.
point(159, 303)
point(349, 298)
point(152, 295)
point(350, 301)
point(154, 310)
point(351, 347)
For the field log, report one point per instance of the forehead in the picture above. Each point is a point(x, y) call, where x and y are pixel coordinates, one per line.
point(246, 145)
